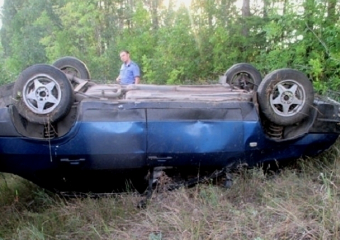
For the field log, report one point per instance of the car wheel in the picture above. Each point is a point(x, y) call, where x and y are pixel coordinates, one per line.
point(243, 76)
point(42, 94)
point(285, 96)
point(73, 66)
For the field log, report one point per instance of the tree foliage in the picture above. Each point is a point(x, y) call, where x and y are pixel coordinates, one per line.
point(173, 42)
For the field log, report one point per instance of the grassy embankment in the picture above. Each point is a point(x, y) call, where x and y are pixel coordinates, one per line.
point(301, 202)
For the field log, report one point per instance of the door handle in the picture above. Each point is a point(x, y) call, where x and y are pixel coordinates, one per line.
point(159, 159)
point(72, 161)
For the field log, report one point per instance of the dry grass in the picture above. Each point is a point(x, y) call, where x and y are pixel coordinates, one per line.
point(301, 202)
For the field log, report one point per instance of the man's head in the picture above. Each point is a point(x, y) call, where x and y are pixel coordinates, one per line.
point(125, 56)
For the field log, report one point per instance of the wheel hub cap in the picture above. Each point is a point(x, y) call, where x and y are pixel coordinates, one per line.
point(287, 98)
point(42, 94)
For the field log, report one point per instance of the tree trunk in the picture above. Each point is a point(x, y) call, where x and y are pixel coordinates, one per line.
point(245, 15)
point(331, 14)
point(153, 5)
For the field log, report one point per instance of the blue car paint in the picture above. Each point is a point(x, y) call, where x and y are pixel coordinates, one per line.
point(123, 145)
point(310, 144)
point(133, 137)
point(106, 145)
point(196, 142)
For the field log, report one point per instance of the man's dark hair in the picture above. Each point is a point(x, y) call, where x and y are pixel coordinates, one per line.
point(126, 51)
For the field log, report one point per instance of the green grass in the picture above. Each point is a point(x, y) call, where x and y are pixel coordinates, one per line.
point(301, 202)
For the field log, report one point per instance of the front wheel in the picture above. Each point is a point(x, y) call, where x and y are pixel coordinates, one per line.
point(42, 94)
point(285, 96)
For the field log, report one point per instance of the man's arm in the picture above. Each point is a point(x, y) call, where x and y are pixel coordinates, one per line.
point(136, 73)
point(118, 78)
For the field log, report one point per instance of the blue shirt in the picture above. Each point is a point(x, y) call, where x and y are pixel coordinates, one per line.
point(128, 72)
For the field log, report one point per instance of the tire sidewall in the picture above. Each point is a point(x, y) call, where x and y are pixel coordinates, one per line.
point(244, 68)
point(75, 63)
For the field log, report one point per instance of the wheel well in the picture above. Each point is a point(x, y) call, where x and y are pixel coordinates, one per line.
point(43, 131)
point(281, 133)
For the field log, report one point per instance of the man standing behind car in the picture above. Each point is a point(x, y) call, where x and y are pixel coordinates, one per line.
point(129, 71)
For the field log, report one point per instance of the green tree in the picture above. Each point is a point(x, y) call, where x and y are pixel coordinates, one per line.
point(21, 32)
point(176, 44)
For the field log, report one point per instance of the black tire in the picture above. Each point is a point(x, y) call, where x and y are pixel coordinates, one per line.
point(72, 65)
point(244, 76)
point(285, 96)
point(42, 94)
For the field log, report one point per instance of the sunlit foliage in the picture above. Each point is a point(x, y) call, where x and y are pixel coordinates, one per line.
point(175, 43)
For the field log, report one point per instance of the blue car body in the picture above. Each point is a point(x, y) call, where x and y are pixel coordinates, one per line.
point(105, 141)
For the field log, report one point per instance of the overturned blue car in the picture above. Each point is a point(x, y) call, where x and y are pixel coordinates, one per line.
point(64, 132)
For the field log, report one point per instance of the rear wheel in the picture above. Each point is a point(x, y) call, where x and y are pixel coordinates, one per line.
point(42, 94)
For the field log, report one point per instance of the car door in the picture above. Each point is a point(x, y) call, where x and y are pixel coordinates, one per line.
point(108, 136)
point(195, 134)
